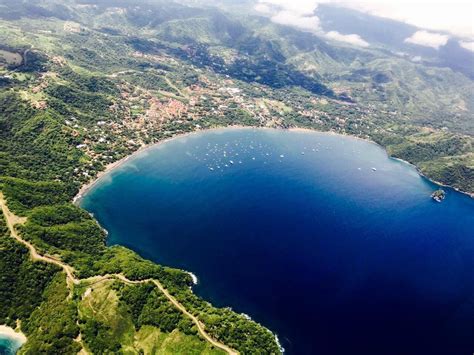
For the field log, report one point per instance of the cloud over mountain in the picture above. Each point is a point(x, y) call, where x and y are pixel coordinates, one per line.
point(467, 45)
point(455, 16)
point(351, 39)
point(428, 39)
point(296, 20)
point(301, 14)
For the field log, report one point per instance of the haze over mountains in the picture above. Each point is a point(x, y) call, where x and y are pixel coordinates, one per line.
point(395, 36)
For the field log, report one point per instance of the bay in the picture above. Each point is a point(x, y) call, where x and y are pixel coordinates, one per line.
point(322, 238)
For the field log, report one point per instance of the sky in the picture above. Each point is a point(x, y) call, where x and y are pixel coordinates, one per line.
point(434, 17)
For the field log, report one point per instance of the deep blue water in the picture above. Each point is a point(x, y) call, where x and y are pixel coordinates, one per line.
point(333, 256)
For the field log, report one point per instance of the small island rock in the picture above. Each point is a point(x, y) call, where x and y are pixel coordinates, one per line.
point(438, 195)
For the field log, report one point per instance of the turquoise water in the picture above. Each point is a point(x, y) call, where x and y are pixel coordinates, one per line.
point(322, 238)
point(8, 346)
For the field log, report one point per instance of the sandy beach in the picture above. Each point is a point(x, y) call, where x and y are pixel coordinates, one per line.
point(11, 333)
point(109, 167)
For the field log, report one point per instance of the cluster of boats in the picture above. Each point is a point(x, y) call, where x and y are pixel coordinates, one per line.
point(220, 156)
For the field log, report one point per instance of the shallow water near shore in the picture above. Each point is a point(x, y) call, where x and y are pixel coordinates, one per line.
point(10, 342)
point(322, 238)
point(8, 346)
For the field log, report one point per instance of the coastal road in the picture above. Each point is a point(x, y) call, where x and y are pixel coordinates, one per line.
point(12, 220)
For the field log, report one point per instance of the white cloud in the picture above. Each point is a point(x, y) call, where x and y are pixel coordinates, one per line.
point(300, 14)
point(352, 38)
point(290, 18)
point(428, 39)
point(296, 13)
point(467, 45)
point(263, 8)
point(454, 16)
point(443, 15)
point(301, 7)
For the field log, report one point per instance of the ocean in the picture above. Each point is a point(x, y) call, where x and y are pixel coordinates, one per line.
point(322, 238)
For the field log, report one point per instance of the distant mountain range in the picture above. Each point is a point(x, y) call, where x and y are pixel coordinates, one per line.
point(392, 35)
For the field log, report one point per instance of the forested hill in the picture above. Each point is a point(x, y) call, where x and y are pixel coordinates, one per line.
point(85, 83)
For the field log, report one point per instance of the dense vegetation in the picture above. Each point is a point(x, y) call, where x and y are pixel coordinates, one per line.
point(53, 328)
point(100, 84)
point(35, 293)
point(64, 228)
point(148, 306)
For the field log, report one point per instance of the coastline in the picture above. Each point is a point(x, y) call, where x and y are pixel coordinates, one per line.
point(109, 167)
point(368, 140)
point(471, 195)
point(309, 130)
point(11, 333)
point(193, 277)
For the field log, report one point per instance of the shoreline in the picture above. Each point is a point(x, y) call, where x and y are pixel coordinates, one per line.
point(471, 195)
point(110, 167)
point(193, 277)
point(368, 140)
point(11, 333)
